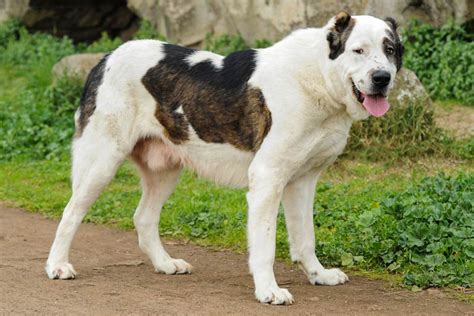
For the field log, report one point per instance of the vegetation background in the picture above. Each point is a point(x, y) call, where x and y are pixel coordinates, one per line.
point(398, 203)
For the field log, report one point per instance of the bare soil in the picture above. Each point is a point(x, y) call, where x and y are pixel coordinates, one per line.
point(457, 119)
point(116, 278)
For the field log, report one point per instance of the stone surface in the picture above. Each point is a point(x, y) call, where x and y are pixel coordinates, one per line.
point(187, 22)
point(81, 20)
point(182, 21)
point(77, 66)
point(436, 12)
point(408, 88)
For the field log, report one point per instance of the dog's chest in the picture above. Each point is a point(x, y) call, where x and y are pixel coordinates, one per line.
point(330, 140)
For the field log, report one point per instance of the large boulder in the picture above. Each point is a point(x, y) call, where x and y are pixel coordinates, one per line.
point(12, 8)
point(187, 21)
point(81, 20)
point(182, 21)
point(408, 89)
point(435, 12)
point(76, 66)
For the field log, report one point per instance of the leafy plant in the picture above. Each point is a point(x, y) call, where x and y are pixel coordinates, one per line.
point(148, 31)
point(104, 44)
point(443, 59)
point(9, 31)
point(44, 129)
point(425, 232)
point(224, 44)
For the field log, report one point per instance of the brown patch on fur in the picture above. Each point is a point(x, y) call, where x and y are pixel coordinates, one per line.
point(175, 124)
point(244, 125)
point(338, 35)
point(239, 117)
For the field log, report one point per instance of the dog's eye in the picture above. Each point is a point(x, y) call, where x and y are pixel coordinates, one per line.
point(390, 51)
point(358, 51)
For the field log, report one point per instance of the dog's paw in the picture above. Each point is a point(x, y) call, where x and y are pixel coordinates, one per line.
point(329, 277)
point(274, 295)
point(174, 266)
point(62, 271)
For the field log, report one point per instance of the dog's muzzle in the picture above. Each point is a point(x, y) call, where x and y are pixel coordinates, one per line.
point(380, 80)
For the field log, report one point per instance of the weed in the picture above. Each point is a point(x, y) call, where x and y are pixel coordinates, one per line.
point(424, 232)
point(224, 44)
point(104, 44)
point(40, 124)
point(148, 31)
point(408, 131)
point(9, 31)
point(443, 59)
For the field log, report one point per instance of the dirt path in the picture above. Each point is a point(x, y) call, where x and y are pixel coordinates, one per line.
point(116, 278)
point(458, 119)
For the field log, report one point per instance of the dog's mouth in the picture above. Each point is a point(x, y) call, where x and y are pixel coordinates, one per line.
point(375, 104)
point(359, 96)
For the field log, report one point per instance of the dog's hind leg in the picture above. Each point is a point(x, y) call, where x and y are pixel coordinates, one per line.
point(157, 186)
point(95, 161)
point(297, 200)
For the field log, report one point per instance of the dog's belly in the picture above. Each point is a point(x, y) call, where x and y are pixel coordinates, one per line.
point(222, 163)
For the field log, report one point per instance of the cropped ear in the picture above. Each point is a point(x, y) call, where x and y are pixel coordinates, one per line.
point(339, 33)
point(399, 48)
point(342, 21)
point(392, 23)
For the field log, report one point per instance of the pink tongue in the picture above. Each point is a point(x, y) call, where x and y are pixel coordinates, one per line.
point(377, 106)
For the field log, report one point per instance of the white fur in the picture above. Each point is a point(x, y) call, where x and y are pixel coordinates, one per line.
point(312, 106)
point(200, 56)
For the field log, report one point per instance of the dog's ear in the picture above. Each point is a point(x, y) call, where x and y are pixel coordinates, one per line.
point(392, 23)
point(399, 48)
point(339, 33)
point(342, 21)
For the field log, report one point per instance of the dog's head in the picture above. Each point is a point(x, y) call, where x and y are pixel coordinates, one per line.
point(367, 54)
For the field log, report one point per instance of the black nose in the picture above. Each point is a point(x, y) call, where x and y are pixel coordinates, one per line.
point(381, 78)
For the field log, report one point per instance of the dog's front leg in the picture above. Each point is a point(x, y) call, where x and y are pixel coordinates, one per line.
point(298, 199)
point(265, 190)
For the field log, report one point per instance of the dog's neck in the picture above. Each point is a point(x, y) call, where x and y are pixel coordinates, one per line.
point(305, 51)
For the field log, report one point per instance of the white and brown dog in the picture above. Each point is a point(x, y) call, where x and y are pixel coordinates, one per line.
point(268, 119)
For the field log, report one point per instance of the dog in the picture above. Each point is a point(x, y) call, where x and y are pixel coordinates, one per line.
point(268, 119)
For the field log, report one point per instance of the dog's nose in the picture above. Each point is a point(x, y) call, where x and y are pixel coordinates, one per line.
point(381, 78)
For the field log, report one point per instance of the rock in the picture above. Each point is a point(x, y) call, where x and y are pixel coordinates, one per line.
point(12, 8)
point(435, 12)
point(314, 299)
point(187, 22)
point(80, 20)
point(76, 66)
point(181, 21)
point(408, 88)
